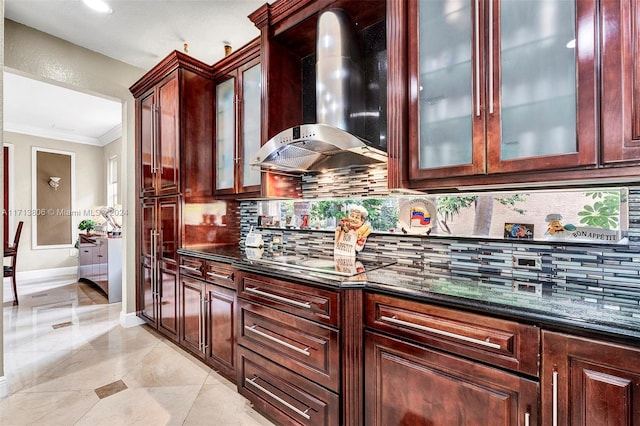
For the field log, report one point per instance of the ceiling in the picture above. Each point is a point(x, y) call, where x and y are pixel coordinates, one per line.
point(137, 32)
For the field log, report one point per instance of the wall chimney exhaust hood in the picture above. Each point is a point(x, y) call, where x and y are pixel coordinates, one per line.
point(332, 143)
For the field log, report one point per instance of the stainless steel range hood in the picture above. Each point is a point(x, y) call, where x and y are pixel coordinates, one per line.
point(332, 142)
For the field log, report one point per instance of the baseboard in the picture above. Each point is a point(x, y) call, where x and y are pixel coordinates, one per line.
point(4, 387)
point(130, 320)
point(47, 273)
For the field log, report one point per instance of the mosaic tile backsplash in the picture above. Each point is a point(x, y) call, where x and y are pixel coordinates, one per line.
point(599, 274)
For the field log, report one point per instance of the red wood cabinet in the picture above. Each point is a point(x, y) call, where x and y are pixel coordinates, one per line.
point(159, 138)
point(499, 342)
point(407, 384)
point(158, 242)
point(589, 382)
point(174, 126)
point(430, 149)
point(426, 364)
point(207, 309)
point(620, 85)
point(607, 89)
point(300, 351)
point(238, 120)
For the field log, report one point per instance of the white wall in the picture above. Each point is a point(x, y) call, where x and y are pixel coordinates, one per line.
point(89, 192)
point(41, 56)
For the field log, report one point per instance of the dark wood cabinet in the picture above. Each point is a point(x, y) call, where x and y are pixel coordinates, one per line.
point(192, 315)
point(442, 366)
point(158, 242)
point(466, 111)
point(286, 397)
point(474, 107)
point(174, 153)
point(174, 126)
point(589, 382)
point(300, 351)
point(506, 344)
point(159, 138)
point(207, 321)
point(620, 85)
point(237, 120)
point(407, 384)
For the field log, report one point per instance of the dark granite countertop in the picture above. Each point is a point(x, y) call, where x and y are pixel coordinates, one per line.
point(536, 304)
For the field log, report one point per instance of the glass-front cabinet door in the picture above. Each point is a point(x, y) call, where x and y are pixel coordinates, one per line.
point(447, 98)
point(238, 130)
point(494, 85)
point(250, 127)
point(225, 135)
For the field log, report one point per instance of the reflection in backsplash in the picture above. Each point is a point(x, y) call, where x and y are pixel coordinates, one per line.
point(211, 223)
point(580, 215)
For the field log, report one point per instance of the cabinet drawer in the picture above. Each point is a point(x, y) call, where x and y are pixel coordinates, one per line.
point(192, 267)
point(220, 273)
point(284, 396)
point(499, 342)
point(308, 302)
point(306, 347)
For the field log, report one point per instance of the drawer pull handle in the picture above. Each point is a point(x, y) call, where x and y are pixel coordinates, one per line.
point(441, 332)
point(277, 398)
point(224, 277)
point(190, 268)
point(276, 340)
point(306, 305)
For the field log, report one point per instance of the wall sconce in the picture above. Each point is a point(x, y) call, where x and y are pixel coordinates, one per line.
point(54, 182)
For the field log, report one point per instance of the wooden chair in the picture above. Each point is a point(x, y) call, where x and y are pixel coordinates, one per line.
point(12, 252)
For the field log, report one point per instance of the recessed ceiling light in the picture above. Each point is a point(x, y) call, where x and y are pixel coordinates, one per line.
point(98, 5)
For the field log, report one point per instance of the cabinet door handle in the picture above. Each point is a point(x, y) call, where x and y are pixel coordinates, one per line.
point(555, 399)
point(154, 140)
point(306, 305)
point(158, 151)
point(204, 324)
point(277, 398)
point(224, 277)
point(200, 326)
point(276, 340)
point(527, 418)
point(190, 268)
point(441, 332)
point(477, 46)
point(490, 100)
point(152, 234)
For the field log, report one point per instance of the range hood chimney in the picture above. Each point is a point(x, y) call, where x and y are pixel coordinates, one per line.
point(332, 143)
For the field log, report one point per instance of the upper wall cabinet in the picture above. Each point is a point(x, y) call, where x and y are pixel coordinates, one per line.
point(174, 129)
point(493, 87)
point(620, 88)
point(237, 121)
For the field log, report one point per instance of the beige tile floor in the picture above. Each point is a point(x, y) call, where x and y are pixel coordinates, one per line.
point(64, 342)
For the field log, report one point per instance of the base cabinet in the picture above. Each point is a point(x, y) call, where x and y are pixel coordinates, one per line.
point(588, 382)
point(290, 343)
point(207, 309)
point(407, 384)
point(286, 397)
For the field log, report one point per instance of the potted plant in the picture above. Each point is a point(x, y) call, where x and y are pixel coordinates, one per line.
point(87, 225)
